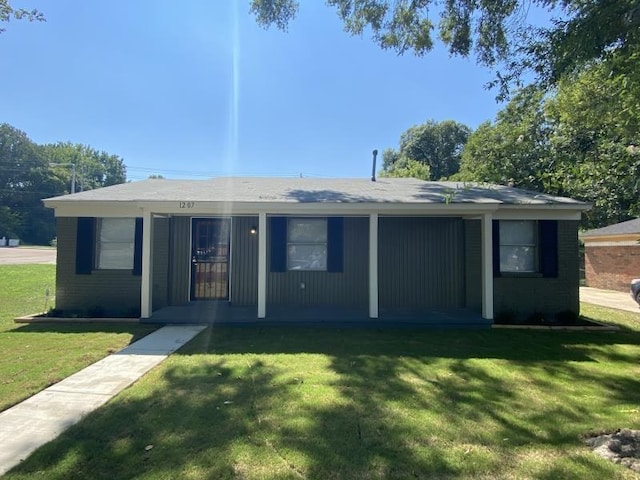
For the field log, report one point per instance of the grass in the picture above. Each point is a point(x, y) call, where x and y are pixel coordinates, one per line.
point(35, 356)
point(310, 403)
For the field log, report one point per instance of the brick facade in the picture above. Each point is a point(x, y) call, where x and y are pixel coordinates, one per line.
point(523, 295)
point(612, 267)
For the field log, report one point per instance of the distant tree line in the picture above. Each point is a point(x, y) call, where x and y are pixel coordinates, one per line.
point(30, 172)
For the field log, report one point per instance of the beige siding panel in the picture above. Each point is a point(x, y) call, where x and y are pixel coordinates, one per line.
point(244, 261)
point(421, 262)
point(348, 288)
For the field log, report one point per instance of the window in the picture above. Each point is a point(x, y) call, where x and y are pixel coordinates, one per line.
point(115, 243)
point(307, 244)
point(518, 246)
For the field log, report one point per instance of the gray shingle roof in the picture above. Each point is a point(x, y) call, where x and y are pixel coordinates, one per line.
point(629, 227)
point(313, 190)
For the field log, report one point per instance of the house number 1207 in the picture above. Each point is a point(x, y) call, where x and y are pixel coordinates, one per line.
point(187, 204)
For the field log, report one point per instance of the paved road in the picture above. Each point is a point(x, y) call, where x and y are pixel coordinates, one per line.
point(608, 298)
point(21, 255)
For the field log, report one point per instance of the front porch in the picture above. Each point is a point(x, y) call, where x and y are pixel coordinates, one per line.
point(222, 313)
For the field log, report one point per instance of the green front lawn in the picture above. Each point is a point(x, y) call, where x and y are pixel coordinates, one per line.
point(294, 403)
point(34, 356)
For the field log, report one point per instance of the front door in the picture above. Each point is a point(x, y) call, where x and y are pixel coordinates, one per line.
point(210, 259)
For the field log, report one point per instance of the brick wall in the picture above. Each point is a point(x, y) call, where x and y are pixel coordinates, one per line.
point(611, 267)
point(116, 291)
point(549, 296)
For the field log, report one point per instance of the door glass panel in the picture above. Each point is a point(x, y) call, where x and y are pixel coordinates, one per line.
point(210, 259)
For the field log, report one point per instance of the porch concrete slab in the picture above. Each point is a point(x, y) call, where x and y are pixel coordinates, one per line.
point(44, 416)
point(608, 298)
point(164, 341)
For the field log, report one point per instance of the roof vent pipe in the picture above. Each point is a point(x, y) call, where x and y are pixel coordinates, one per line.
point(373, 170)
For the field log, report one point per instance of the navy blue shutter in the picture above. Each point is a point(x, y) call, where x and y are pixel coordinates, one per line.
point(278, 243)
point(137, 249)
point(335, 244)
point(549, 248)
point(85, 245)
point(495, 236)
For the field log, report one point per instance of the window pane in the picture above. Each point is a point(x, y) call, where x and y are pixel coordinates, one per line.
point(116, 256)
point(517, 259)
point(307, 257)
point(307, 230)
point(116, 237)
point(117, 229)
point(517, 232)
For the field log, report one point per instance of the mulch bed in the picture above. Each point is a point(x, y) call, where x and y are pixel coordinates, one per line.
point(622, 446)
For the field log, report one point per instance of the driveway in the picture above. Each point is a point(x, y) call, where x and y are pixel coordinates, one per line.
point(21, 255)
point(608, 298)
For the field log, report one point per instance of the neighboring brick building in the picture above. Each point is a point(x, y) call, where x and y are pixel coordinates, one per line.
point(612, 255)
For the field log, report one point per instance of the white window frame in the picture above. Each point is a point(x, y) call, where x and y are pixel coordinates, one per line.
point(515, 265)
point(318, 264)
point(115, 243)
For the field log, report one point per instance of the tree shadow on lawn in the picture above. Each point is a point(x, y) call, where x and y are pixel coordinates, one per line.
point(137, 331)
point(314, 403)
point(517, 345)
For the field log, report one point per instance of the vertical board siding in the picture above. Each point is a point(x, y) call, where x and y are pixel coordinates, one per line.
point(473, 264)
point(346, 288)
point(421, 262)
point(116, 292)
point(244, 261)
point(160, 262)
point(179, 260)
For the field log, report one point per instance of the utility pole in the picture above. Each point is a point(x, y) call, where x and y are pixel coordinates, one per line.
point(73, 173)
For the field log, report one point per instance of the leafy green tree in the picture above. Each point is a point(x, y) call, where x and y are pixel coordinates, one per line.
point(93, 169)
point(581, 142)
point(596, 138)
point(496, 31)
point(437, 145)
point(31, 172)
point(408, 168)
point(7, 12)
point(513, 151)
point(25, 180)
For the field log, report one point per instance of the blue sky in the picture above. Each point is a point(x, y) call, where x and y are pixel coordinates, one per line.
point(197, 89)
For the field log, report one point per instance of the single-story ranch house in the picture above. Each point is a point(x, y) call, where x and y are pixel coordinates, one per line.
point(388, 250)
point(612, 255)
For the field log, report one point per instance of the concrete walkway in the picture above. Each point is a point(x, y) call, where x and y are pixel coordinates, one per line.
point(41, 418)
point(608, 298)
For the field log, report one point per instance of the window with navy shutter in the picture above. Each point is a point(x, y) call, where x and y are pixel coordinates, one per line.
point(278, 243)
point(549, 248)
point(525, 247)
point(306, 244)
point(85, 245)
point(137, 248)
point(335, 246)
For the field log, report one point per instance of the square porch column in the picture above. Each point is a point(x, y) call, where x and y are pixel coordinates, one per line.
point(373, 265)
point(487, 266)
point(262, 265)
point(146, 287)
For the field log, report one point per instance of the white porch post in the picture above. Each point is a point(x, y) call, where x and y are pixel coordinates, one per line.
point(146, 288)
point(487, 266)
point(262, 265)
point(373, 265)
